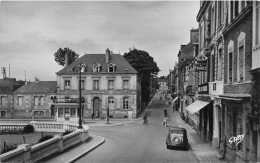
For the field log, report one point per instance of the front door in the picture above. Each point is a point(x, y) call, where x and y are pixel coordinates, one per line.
point(96, 107)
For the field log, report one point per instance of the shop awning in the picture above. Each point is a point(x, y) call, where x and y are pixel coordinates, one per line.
point(196, 106)
point(174, 99)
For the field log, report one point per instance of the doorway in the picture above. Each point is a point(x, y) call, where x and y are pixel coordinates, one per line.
point(96, 107)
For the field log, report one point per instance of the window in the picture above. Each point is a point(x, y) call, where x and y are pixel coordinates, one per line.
point(35, 113)
point(126, 103)
point(230, 67)
point(212, 20)
point(125, 84)
point(219, 76)
point(95, 84)
point(42, 100)
point(72, 112)
point(36, 101)
point(96, 67)
point(2, 113)
point(41, 112)
point(60, 112)
point(220, 13)
point(241, 64)
point(111, 103)
point(20, 101)
point(67, 84)
point(111, 84)
point(257, 23)
point(212, 67)
point(67, 113)
point(3, 101)
point(111, 67)
point(82, 84)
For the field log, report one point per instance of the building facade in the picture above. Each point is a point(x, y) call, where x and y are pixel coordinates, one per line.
point(7, 88)
point(34, 100)
point(108, 83)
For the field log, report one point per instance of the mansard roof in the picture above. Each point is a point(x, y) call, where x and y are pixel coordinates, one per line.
point(38, 87)
point(122, 66)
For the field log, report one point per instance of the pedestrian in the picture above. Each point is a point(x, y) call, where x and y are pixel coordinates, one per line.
point(165, 112)
point(92, 114)
point(97, 114)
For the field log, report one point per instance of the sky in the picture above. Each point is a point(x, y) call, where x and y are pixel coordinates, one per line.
point(32, 31)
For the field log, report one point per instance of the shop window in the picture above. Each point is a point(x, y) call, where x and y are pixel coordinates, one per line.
point(35, 113)
point(67, 113)
point(95, 84)
point(125, 84)
point(72, 112)
point(60, 112)
point(3, 113)
point(126, 103)
point(67, 84)
point(111, 84)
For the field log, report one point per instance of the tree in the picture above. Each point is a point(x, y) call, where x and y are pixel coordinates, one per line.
point(146, 68)
point(59, 56)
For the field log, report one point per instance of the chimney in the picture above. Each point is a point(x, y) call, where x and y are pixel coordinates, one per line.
point(194, 35)
point(182, 46)
point(107, 55)
point(66, 59)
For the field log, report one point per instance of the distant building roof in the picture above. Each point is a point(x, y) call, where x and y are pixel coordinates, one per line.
point(9, 81)
point(8, 85)
point(122, 66)
point(38, 87)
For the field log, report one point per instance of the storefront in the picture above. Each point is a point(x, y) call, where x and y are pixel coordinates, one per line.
point(67, 110)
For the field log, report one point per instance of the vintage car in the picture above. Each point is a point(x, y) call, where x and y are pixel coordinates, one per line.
point(177, 137)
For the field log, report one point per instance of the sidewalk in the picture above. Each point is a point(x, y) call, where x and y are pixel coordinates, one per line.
point(78, 151)
point(102, 122)
point(202, 150)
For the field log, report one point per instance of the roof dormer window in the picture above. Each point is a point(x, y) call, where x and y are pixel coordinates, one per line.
point(96, 67)
point(111, 67)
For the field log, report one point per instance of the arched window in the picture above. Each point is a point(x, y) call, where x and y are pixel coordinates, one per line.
point(36, 101)
point(111, 103)
point(126, 103)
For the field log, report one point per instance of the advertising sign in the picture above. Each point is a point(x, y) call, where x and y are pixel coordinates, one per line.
point(201, 65)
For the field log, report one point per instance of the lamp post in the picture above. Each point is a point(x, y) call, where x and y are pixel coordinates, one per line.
point(81, 67)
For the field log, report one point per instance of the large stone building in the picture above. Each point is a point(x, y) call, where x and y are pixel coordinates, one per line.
point(108, 82)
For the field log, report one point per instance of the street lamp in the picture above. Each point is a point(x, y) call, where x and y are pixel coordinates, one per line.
point(81, 68)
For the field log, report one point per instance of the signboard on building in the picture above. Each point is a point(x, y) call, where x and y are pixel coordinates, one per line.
point(69, 100)
point(201, 65)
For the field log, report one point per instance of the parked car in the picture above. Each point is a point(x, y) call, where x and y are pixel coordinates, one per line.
point(177, 137)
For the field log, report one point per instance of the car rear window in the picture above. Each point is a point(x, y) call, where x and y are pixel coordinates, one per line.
point(176, 131)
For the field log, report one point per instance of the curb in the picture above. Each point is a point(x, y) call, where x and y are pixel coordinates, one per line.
point(87, 151)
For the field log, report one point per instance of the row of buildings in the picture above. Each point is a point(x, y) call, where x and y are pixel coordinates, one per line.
point(216, 82)
point(106, 82)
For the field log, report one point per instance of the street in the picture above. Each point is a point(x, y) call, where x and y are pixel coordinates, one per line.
point(136, 142)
